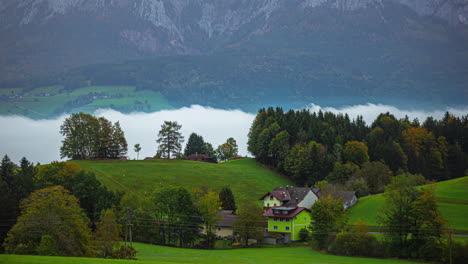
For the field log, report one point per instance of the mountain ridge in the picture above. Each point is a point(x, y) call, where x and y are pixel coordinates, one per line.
point(225, 53)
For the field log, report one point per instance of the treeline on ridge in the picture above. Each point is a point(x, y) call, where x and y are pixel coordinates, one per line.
point(311, 147)
point(90, 137)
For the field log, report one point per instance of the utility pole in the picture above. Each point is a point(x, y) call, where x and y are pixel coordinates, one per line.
point(129, 225)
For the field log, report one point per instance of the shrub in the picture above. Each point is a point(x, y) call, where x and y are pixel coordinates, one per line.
point(124, 252)
point(356, 242)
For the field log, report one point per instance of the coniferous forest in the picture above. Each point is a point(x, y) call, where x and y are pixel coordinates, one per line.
point(311, 147)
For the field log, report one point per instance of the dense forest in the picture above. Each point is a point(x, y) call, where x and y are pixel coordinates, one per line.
point(311, 147)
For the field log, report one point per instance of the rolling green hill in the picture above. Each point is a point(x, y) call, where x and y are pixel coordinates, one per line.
point(246, 179)
point(452, 199)
point(157, 254)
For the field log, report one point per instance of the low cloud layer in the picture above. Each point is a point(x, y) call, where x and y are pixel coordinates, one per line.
point(369, 112)
point(40, 140)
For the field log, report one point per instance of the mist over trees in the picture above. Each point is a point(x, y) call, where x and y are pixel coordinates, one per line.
point(89, 137)
point(310, 147)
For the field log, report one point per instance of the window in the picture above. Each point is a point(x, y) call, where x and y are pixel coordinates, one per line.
point(275, 227)
point(287, 228)
point(275, 219)
point(268, 204)
point(219, 228)
point(281, 219)
point(287, 219)
point(305, 218)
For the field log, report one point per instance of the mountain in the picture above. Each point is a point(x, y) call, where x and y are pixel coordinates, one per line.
point(242, 53)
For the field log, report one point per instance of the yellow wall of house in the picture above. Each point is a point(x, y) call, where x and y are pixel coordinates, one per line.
point(271, 201)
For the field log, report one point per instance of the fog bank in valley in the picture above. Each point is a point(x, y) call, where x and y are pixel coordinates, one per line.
point(40, 140)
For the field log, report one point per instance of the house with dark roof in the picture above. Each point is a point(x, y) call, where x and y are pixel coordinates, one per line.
point(287, 221)
point(288, 209)
point(290, 197)
point(224, 227)
point(349, 198)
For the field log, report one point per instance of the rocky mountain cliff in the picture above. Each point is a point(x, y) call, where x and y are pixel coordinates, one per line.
point(356, 46)
point(191, 26)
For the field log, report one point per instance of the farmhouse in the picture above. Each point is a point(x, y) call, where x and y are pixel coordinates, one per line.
point(288, 210)
point(290, 197)
point(225, 225)
point(287, 222)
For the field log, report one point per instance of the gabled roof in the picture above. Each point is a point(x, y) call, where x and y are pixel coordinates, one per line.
point(292, 213)
point(228, 218)
point(296, 194)
point(280, 195)
point(346, 196)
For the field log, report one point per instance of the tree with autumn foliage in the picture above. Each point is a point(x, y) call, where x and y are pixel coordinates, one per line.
point(209, 206)
point(55, 213)
point(356, 152)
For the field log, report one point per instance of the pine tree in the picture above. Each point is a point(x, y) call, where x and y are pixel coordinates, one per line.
point(227, 199)
point(170, 139)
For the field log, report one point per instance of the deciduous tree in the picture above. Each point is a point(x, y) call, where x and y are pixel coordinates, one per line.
point(179, 219)
point(328, 218)
point(107, 234)
point(137, 149)
point(53, 212)
point(250, 223)
point(355, 152)
point(209, 208)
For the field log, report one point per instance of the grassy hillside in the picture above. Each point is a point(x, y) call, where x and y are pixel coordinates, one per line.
point(157, 254)
point(51, 101)
point(246, 179)
point(452, 199)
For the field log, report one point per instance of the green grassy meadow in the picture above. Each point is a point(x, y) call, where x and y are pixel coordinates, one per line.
point(36, 104)
point(452, 199)
point(158, 254)
point(246, 179)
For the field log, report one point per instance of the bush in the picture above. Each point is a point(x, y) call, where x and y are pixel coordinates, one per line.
point(356, 242)
point(124, 252)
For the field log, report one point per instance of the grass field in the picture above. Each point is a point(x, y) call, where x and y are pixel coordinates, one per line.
point(246, 179)
point(49, 101)
point(452, 199)
point(157, 254)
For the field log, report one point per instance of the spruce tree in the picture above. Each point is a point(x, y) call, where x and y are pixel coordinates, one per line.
point(195, 145)
point(227, 199)
point(170, 139)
